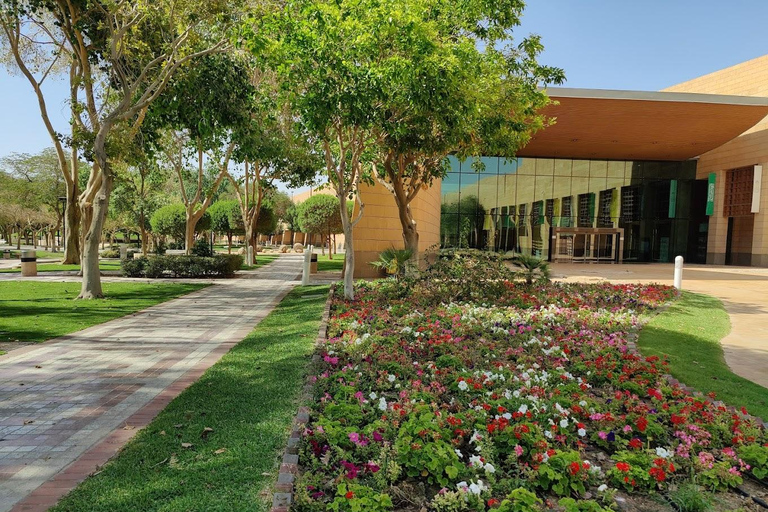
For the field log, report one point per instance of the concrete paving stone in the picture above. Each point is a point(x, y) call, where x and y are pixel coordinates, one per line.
point(91, 382)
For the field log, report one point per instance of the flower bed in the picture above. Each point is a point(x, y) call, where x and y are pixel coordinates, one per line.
point(532, 403)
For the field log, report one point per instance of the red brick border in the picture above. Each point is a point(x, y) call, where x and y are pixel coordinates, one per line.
point(90, 461)
point(289, 467)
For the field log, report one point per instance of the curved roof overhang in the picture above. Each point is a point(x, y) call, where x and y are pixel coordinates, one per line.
point(631, 125)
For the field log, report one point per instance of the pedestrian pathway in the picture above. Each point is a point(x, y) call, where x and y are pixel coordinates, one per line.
point(741, 289)
point(73, 402)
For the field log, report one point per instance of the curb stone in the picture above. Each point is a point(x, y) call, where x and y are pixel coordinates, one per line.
point(289, 468)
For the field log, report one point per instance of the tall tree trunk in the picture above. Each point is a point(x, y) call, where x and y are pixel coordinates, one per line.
point(249, 255)
point(189, 233)
point(91, 288)
point(229, 243)
point(349, 260)
point(72, 218)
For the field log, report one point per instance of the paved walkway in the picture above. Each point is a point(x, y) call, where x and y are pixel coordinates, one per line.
point(743, 291)
point(73, 402)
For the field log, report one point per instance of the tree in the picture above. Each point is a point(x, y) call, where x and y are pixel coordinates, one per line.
point(137, 195)
point(273, 147)
point(37, 47)
point(171, 220)
point(123, 55)
point(204, 107)
point(330, 46)
point(224, 219)
point(452, 82)
point(319, 214)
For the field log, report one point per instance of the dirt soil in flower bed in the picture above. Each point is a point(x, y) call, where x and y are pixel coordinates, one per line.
point(433, 395)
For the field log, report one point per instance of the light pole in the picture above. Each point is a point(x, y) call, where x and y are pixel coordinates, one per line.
point(63, 237)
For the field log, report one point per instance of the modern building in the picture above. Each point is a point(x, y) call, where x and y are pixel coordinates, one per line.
point(622, 176)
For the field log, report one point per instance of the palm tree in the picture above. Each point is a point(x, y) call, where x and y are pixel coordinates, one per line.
point(394, 261)
point(531, 268)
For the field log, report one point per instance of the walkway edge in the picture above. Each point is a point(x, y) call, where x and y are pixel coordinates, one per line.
point(289, 468)
point(91, 461)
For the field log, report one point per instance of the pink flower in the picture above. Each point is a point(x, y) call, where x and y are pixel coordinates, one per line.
point(519, 450)
point(602, 435)
point(358, 439)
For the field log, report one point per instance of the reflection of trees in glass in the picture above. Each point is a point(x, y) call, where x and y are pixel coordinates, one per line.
point(461, 223)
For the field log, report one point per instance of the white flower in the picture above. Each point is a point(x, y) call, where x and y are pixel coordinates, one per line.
point(459, 454)
point(564, 423)
point(663, 453)
point(382, 404)
point(391, 378)
point(489, 468)
point(463, 385)
point(583, 403)
point(548, 434)
point(582, 432)
point(373, 396)
point(602, 488)
point(475, 461)
point(523, 409)
point(477, 488)
point(462, 486)
point(506, 416)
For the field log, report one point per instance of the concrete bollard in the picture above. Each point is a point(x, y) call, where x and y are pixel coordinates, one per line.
point(28, 263)
point(123, 251)
point(307, 263)
point(678, 273)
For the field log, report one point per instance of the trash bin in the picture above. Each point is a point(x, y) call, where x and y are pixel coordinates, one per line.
point(28, 263)
point(7, 254)
point(313, 264)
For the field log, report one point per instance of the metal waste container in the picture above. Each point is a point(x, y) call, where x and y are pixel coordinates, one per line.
point(28, 263)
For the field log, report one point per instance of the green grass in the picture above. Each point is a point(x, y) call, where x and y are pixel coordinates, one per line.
point(260, 261)
point(248, 398)
point(39, 253)
point(689, 333)
point(104, 265)
point(327, 265)
point(37, 311)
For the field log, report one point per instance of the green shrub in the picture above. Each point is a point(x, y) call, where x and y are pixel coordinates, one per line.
point(202, 248)
point(223, 265)
point(393, 261)
point(133, 268)
point(110, 253)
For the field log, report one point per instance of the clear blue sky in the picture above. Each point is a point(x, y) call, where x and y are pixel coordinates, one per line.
point(603, 44)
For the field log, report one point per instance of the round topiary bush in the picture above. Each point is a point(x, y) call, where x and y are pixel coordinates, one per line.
point(298, 248)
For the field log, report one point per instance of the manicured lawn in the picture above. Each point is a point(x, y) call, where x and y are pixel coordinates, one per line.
point(260, 261)
point(248, 398)
point(689, 333)
point(58, 267)
point(327, 265)
point(41, 254)
point(36, 311)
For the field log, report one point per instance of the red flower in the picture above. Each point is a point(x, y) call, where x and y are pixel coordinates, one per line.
point(574, 468)
point(349, 495)
point(622, 466)
point(493, 502)
point(677, 420)
point(642, 423)
point(636, 443)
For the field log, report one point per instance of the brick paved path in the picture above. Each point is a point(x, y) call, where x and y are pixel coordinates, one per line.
point(80, 397)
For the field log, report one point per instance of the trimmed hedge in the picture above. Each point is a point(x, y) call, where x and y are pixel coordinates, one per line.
point(223, 265)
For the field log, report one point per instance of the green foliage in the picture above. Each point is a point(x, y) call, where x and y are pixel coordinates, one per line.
point(719, 477)
point(393, 261)
point(225, 217)
point(571, 505)
point(221, 265)
point(757, 457)
point(320, 214)
point(520, 500)
point(202, 248)
point(359, 498)
point(531, 268)
point(423, 452)
point(171, 220)
point(689, 497)
point(564, 474)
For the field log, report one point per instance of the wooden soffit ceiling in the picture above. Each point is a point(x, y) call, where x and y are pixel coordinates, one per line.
point(629, 125)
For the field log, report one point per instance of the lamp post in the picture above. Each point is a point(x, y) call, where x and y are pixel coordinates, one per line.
point(63, 237)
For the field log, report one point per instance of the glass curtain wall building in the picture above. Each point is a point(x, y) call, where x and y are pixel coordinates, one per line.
point(656, 210)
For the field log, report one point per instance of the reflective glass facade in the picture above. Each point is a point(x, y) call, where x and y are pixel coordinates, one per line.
point(514, 204)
